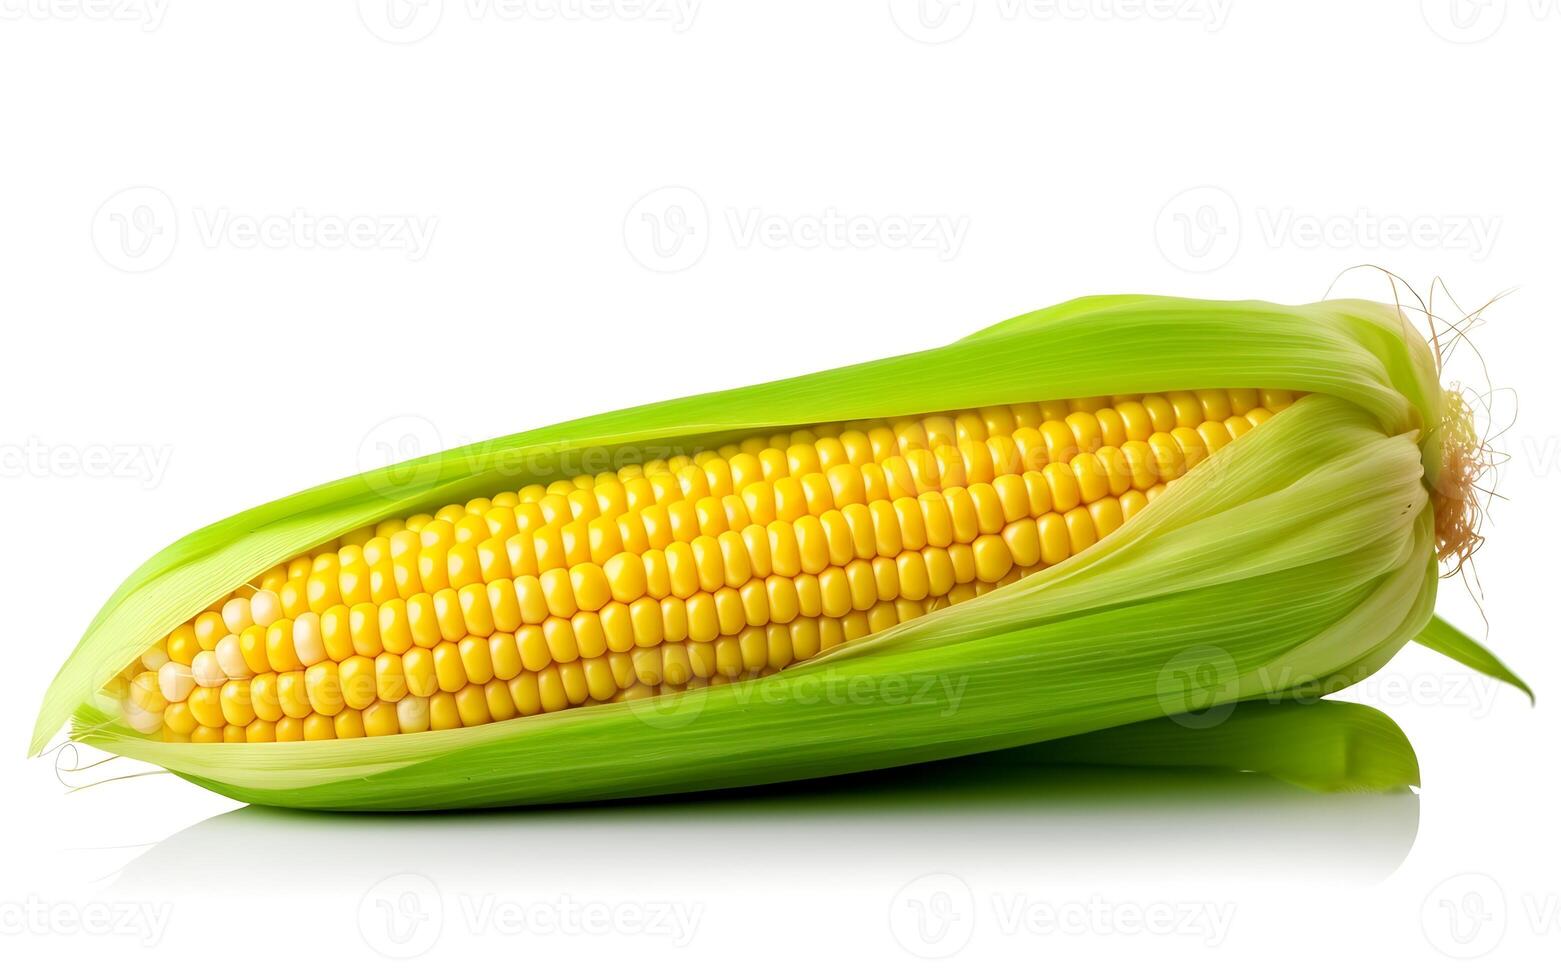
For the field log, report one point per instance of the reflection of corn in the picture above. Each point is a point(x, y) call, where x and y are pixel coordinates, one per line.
point(683, 572)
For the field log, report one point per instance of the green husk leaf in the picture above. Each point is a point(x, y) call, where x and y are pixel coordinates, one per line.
point(1295, 561)
point(1453, 643)
point(1330, 746)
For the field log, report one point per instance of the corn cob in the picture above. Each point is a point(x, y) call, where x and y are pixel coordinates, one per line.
point(727, 565)
point(1054, 558)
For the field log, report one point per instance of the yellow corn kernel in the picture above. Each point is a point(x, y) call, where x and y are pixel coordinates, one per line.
point(992, 557)
point(471, 704)
point(363, 625)
point(505, 654)
point(390, 682)
point(206, 707)
point(443, 713)
point(209, 628)
point(252, 647)
point(357, 681)
point(280, 654)
point(412, 714)
point(418, 670)
point(292, 694)
point(308, 643)
point(336, 631)
point(550, 690)
point(523, 691)
point(236, 704)
point(395, 629)
point(730, 563)
point(318, 728)
point(349, 724)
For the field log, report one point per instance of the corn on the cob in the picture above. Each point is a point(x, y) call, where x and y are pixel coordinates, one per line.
point(783, 546)
point(729, 564)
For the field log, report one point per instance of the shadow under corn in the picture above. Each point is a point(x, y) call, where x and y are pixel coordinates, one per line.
point(995, 813)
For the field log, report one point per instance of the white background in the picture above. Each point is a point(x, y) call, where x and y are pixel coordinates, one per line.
point(187, 334)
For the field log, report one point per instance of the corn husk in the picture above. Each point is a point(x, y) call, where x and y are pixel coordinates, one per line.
point(1293, 563)
point(1329, 746)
